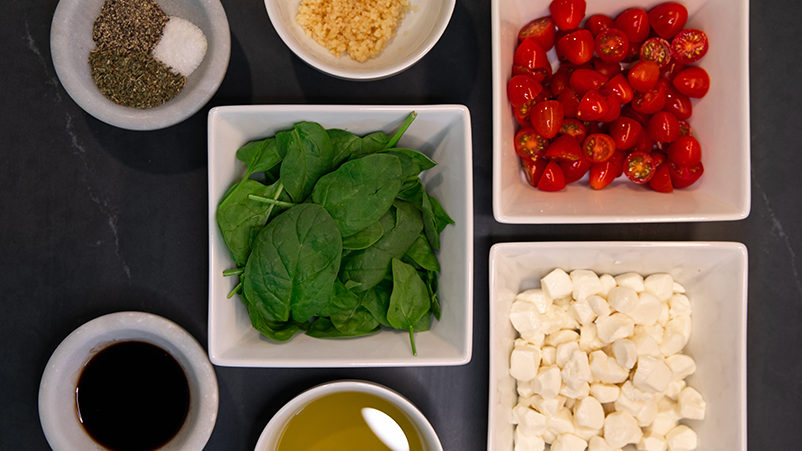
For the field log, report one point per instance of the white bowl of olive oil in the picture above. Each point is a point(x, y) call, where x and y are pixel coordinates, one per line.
point(347, 415)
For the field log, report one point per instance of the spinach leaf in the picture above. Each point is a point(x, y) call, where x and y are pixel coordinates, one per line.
point(429, 226)
point(347, 314)
point(322, 327)
point(433, 222)
point(364, 238)
point(372, 143)
point(309, 156)
point(431, 284)
point(240, 219)
point(409, 301)
point(412, 162)
point(369, 266)
point(345, 144)
point(360, 191)
point(441, 218)
point(261, 156)
point(376, 300)
point(421, 253)
point(294, 264)
point(279, 331)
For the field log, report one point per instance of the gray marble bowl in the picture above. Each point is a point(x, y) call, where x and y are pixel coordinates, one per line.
point(71, 41)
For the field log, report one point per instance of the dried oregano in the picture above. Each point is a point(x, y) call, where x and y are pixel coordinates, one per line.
point(129, 24)
point(134, 78)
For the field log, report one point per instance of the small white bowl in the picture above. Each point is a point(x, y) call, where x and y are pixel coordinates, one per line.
point(443, 132)
point(715, 278)
point(71, 41)
point(720, 121)
point(419, 31)
point(272, 432)
point(57, 409)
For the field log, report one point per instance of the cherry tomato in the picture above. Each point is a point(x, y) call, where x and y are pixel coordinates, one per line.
point(685, 151)
point(625, 132)
point(567, 14)
point(533, 169)
point(564, 147)
point(598, 22)
point(598, 147)
point(630, 112)
point(612, 45)
point(685, 128)
point(639, 167)
point(661, 182)
point(658, 157)
point(552, 179)
point(664, 127)
point(657, 50)
point(667, 19)
point(541, 74)
point(573, 127)
point(592, 107)
point(677, 103)
point(574, 170)
point(559, 81)
point(542, 30)
point(576, 47)
point(689, 46)
point(521, 114)
point(644, 143)
point(692, 81)
point(651, 101)
point(522, 89)
point(684, 176)
point(613, 109)
point(529, 55)
point(671, 71)
point(529, 145)
point(606, 68)
point(583, 80)
point(643, 75)
point(634, 22)
point(618, 162)
point(619, 88)
point(570, 102)
point(602, 174)
point(547, 117)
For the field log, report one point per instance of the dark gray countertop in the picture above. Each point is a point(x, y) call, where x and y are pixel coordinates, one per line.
point(95, 219)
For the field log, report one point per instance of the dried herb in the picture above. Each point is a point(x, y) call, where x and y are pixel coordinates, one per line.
point(134, 25)
point(135, 78)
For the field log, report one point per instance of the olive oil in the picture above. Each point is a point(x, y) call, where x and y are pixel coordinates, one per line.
point(350, 421)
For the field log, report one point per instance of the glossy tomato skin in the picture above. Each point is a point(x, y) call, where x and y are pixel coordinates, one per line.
point(533, 170)
point(612, 45)
point(565, 148)
point(613, 109)
point(618, 162)
point(529, 145)
point(639, 167)
point(552, 179)
point(634, 22)
point(657, 50)
point(651, 101)
point(671, 71)
point(678, 104)
point(567, 14)
point(685, 128)
point(547, 117)
point(689, 45)
point(606, 68)
point(693, 81)
point(684, 176)
point(541, 29)
point(664, 127)
point(559, 81)
point(529, 55)
point(626, 132)
point(667, 19)
point(521, 114)
point(574, 170)
point(661, 182)
point(598, 147)
point(685, 151)
point(576, 46)
point(643, 75)
point(602, 174)
point(570, 102)
point(598, 22)
point(574, 127)
point(583, 80)
point(592, 107)
point(618, 87)
point(522, 89)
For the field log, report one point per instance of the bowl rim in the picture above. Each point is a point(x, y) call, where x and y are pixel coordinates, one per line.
point(372, 75)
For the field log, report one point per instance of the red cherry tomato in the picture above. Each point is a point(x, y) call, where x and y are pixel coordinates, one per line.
point(644, 144)
point(576, 47)
point(658, 157)
point(533, 169)
point(529, 55)
point(663, 127)
point(684, 176)
point(613, 109)
point(618, 162)
point(564, 147)
point(651, 101)
point(639, 167)
point(521, 114)
point(602, 174)
point(541, 74)
point(574, 170)
point(685, 151)
point(606, 68)
point(547, 117)
point(692, 81)
point(598, 147)
point(671, 71)
point(612, 45)
point(619, 88)
point(574, 127)
point(570, 102)
point(677, 103)
point(634, 22)
point(643, 75)
point(567, 14)
point(598, 22)
point(542, 30)
point(592, 107)
point(661, 182)
point(630, 112)
point(685, 128)
point(529, 145)
point(552, 179)
point(559, 81)
point(583, 80)
point(689, 46)
point(657, 50)
point(667, 19)
point(522, 89)
point(625, 132)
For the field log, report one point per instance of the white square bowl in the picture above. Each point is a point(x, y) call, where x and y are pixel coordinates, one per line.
point(443, 132)
point(715, 277)
point(720, 121)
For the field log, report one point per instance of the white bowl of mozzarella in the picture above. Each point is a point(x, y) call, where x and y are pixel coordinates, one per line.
point(617, 345)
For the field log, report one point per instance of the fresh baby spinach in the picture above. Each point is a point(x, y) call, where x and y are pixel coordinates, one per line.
point(409, 301)
point(309, 156)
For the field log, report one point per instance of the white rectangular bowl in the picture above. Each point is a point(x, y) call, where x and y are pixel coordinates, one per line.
point(715, 277)
point(720, 121)
point(443, 132)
